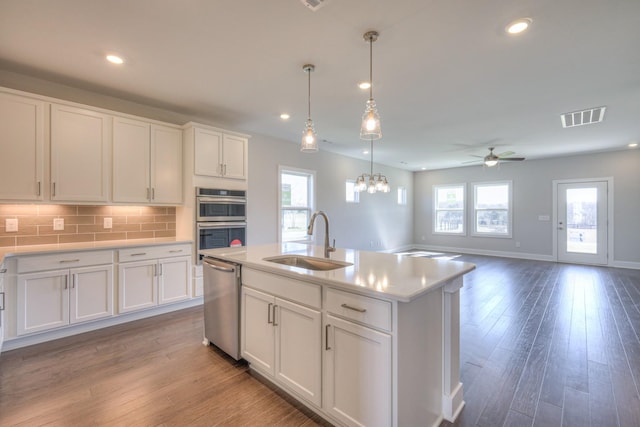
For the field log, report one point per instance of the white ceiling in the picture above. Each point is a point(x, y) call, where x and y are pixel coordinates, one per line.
point(448, 81)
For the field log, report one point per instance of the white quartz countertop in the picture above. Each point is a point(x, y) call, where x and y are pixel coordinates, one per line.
point(396, 277)
point(85, 246)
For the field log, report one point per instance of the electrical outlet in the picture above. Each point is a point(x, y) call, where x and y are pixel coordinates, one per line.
point(108, 223)
point(517, 244)
point(11, 225)
point(58, 224)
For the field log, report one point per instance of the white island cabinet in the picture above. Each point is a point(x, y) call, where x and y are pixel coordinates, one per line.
point(375, 343)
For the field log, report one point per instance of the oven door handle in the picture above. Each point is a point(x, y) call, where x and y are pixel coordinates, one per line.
point(231, 201)
point(203, 225)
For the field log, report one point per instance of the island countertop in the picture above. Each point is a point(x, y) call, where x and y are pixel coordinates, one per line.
point(396, 277)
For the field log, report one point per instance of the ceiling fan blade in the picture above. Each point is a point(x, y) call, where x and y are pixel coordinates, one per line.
point(512, 159)
point(506, 153)
point(472, 161)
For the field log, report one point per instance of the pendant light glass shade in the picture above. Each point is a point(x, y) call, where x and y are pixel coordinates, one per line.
point(309, 143)
point(370, 128)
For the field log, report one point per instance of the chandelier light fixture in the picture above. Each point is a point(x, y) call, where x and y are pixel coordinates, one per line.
point(372, 182)
point(370, 128)
point(309, 138)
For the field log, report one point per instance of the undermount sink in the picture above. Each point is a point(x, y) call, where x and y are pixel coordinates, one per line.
point(309, 263)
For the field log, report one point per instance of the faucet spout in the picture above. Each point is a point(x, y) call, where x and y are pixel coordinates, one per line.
point(327, 248)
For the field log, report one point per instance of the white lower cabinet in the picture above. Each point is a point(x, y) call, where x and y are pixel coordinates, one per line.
point(161, 276)
point(52, 299)
point(282, 340)
point(357, 381)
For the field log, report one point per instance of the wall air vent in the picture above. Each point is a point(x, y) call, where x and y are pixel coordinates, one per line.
point(584, 117)
point(314, 5)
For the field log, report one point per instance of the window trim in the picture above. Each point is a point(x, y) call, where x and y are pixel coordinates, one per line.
point(435, 209)
point(311, 191)
point(475, 231)
point(405, 196)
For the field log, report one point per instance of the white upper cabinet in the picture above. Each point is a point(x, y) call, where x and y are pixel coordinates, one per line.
point(147, 162)
point(80, 146)
point(218, 154)
point(21, 148)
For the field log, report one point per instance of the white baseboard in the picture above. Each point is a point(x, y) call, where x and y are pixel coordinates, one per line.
point(501, 254)
point(19, 342)
point(626, 264)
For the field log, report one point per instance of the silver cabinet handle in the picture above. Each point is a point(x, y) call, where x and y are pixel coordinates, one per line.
point(2, 296)
point(53, 191)
point(359, 310)
point(269, 313)
point(138, 254)
point(326, 337)
point(153, 193)
point(66, 282)
point(274, 315)
point(64, 261)
point(38, 188)
point(225, 169)
point(73, 281)
point(4, 270)
point(175, 251)
point(160, 265)
point(148, 193)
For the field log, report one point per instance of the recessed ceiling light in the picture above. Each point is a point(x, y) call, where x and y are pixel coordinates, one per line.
point(365, 151)
point(285, 116)
point(633, 145)
point(518, 26)
point(115, 59)
point(364, 85)
point(423, 168)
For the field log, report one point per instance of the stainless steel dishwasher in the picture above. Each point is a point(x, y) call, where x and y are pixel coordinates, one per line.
point(222, 305)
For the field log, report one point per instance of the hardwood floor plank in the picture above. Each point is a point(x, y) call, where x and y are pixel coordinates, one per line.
point(575, 412)
point(602, 405)
point(547, 415)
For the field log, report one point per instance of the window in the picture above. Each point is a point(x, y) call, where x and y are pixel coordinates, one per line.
point(448, 205)
point(492, 209)
point(296, 203)
point(351, 195)
point(402, 196)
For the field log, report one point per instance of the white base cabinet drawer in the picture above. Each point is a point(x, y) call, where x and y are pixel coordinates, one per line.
point(29, 264)
point(366, 310)
point(152, 252)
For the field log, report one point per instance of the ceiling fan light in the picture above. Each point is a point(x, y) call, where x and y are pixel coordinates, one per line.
point(490, 163)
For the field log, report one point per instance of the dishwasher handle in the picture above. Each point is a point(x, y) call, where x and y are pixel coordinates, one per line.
point(219, 267)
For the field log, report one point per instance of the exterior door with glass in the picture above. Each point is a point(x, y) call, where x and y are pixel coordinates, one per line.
point(582, 222)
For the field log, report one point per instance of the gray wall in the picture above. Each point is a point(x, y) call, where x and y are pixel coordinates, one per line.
point(376, 218)
point(532, 196)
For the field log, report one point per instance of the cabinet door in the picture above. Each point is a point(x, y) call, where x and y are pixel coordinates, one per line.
point(298, 349)
point(131, 161)
point(258, 332)
point(166, 165)
point(174, 279)
point(43, 301)
point(91, 294)
point(357, 374)
point(21, 148)
point(208, 152)
point(137, 285)
point(234, 151)
point(80, 145)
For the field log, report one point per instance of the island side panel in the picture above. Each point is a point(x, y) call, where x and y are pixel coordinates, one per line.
point(419, 362)
point(453, 392)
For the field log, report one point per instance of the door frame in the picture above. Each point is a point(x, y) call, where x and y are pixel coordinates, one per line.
point(610, 225)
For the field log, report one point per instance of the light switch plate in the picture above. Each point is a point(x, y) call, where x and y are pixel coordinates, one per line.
point(11, 225)
point(544, 218)
point(58, 223)
point(108, 223)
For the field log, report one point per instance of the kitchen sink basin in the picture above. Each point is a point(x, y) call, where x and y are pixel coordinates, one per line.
point(309, 263)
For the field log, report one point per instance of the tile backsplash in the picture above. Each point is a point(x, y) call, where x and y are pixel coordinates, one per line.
point(84, 223)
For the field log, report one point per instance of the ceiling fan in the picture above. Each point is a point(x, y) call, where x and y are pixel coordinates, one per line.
point(492, 159)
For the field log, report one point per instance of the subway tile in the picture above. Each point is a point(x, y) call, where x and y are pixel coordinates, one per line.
point(171, 210)
point(74, 238)
point(155, 210)
point(14, 210)
point(48, 229)
point(125, 210)
point(164, 218)
point(171, 226)
point(125, 227)
point(139, 219)
point(154, 226)
point(91, 228)
point(110, 236)
point(57, 210)
point(36, 240)
point(23, 230)
point(115, 219)
point(95, 210)
point(7, 241)
point(36, 220)
point(165, 233)
point(79, 219)
point(140, 235)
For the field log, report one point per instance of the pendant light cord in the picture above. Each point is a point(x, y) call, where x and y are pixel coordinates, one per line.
point(371, 67)
point(371, 175)
point(309, 97)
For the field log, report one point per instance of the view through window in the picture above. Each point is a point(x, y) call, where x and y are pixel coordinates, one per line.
point(449, 212)
point(296, 204)
point(492, 202)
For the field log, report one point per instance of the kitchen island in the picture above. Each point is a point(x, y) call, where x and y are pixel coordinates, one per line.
point(372, 341)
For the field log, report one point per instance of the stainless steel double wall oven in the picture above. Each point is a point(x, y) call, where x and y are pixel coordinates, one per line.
point(221, 218)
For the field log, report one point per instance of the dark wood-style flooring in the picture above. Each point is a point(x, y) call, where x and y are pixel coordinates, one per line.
point(543, 344)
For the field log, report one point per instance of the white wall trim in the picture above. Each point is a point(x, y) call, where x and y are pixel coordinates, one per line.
point(501, 254)
point(626, 264)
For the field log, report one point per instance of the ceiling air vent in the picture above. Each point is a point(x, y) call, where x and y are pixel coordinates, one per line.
point(585, 117)
point(314, 5)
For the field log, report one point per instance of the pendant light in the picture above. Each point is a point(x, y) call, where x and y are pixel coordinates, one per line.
point(372, 182)
point(309, 142)
point(370, 128)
